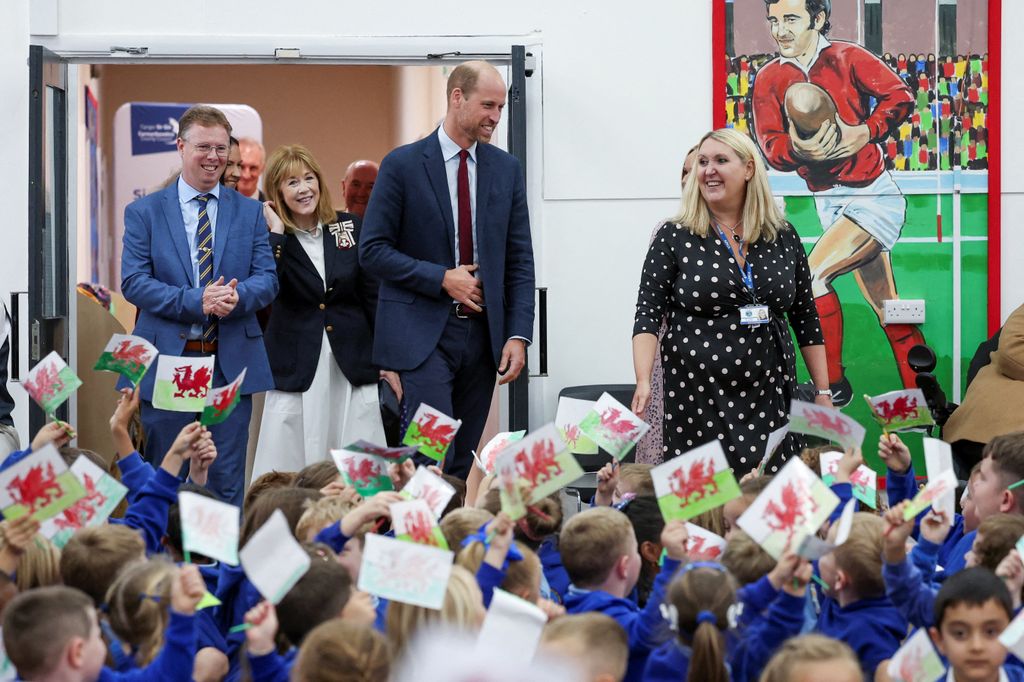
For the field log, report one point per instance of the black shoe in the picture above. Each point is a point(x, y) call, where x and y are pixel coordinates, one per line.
point(842, 392)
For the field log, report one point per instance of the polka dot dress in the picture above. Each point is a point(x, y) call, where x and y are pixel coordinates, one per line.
point(722, 379)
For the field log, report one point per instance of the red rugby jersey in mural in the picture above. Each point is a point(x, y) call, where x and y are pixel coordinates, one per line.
point(851, 75)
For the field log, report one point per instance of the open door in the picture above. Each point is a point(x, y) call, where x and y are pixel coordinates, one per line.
point(48, 323)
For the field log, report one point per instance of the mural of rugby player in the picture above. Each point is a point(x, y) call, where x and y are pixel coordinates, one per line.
point(841, 158)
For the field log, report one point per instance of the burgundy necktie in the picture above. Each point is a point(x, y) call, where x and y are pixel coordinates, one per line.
point(465, 212)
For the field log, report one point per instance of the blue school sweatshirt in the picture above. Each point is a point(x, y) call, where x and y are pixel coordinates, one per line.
point(957, 560)
point(645, 628)
point(172, 664)
point(912, 596)
point(148, 512)
point(873, 628)
point(135, 473)
point(237, 596)
point(554, 572)
point(273, 667)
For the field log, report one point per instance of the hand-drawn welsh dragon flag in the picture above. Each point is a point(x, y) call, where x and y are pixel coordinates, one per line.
point(40, 485)
point(413, 521)
point(694, 482)
point(900, 410)
point(182, 383)
point(542, 462)
point(826, 422)
point(613, 427)
point(51, 382)
point(127, 355)
point(368, 474)
point(221, 402)
point(103, 493)
point(431, 431)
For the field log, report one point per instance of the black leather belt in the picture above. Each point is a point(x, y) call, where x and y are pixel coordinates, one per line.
point(464, 312)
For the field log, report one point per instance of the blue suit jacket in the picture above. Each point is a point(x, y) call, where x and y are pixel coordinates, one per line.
point(156, 276)
point(408, 242)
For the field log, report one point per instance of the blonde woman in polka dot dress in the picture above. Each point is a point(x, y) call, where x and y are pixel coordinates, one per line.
point(728, 272)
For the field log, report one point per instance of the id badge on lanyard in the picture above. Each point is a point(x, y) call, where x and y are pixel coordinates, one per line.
point(754, 314)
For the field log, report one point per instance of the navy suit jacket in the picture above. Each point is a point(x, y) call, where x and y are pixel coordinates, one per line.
point(305, 308)
point(408, 243)
point(156, 276)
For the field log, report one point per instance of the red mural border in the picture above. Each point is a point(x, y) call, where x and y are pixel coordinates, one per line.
point(995, 187)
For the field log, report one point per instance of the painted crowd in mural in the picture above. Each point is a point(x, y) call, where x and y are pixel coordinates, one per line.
point(873, 120)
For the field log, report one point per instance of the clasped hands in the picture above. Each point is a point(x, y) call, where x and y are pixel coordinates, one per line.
point(219, 298)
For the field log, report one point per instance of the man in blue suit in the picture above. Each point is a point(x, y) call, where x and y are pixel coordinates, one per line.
point(447, 231)
point(197, 264)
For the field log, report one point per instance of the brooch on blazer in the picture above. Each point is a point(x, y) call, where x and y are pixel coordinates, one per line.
point(343, 234)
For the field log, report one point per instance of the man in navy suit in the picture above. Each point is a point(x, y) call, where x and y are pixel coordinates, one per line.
point(447, 232)
point(197, 264)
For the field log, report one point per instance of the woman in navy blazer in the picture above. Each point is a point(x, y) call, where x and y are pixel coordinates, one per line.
point(320, 334)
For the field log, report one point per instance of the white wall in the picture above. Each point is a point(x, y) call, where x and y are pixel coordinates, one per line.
point(621, 92)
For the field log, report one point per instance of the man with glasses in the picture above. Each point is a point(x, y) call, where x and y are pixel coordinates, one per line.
point(197, 264)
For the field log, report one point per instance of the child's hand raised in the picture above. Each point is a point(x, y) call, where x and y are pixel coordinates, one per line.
point(1011, 570)
point(16, 535)
point(674, 539)
point(550, 608)
point(337, 488)
point(371, 508)
point(847, 464)
point(935, 526)
point(501, 528)
point(260, 637)
point(184, 447)
point(799, 574)
point(57, 432)
point(127, 405)
point(202, 460)
point(607, 480)
point(894, 453)
point(187, 589)
point(895, 535)
point(401, 473)
point(750, 475)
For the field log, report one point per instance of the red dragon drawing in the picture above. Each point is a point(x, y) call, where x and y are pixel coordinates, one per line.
point(224, 399)
point(696, 550)
point(132, 357)
point(435, 435)
point(541, 465)
point(420, 528)
point(572, 435)
point(82, 512)
point(431, 495)
point(698, 484)
point(191, 385)
point(902, 408)
point(619, 429)
point(831, 423)
point(45, 384)
point(792, 510)
point(362, 473)
point(37, 489)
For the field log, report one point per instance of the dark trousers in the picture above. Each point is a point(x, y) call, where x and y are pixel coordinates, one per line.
point(457, 378)
point(227, 475)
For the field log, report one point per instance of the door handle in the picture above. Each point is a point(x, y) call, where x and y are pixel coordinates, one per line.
point(15, 319)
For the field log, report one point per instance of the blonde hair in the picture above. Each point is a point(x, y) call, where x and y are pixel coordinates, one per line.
point(806, 649)
point(93, 557)
point(137, 603)
point(860, 557)
point(761, 216)
point(745, 559)
point(341, 651)
point(320, 514)
point(638, 477)
point(284, 162)
point(38, 565)
point(693, 593)
point(520, 577)
point(594, 640)
point(461, 523)
point(463, 608)
point(592, 542)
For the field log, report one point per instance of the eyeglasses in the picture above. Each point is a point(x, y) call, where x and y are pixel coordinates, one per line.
point(204, 149)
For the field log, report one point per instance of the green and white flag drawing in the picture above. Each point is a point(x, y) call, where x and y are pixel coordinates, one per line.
point(103, 493)
point(694, 482)
point(182, 383)
point(128, 355)
point(51, 382)
point(273, 560)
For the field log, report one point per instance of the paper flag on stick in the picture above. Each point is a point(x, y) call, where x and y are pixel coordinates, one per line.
point(864, 481)
point(273, 560)
point(613, 426)
point(182, 383)
point(495, 445)
point(395, 454)
point(813, 548)
point(103, 493)
point(571, 411)
point(938, 457)
point(405, 571)
point(931, 493)
point(40, 485)
point(431, 431)
point(511, 488)
point(51, 382)
point(427, 486)
point(793, 506)
point(128, 355)
point(916, 660)
point(694, 482)
point(413, 521)
point(900, 410)
point(775, 439)
point(1013, 636)
point(542, 462)
point(703, 545)
point(209, 527)
point(221, 402)
point(512, 624)
point(825, 422)
point(829, 463)
point(368, 474)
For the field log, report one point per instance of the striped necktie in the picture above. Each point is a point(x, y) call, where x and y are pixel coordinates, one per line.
point(204, 257)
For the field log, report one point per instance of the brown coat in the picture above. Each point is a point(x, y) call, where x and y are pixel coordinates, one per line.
point(994, 404)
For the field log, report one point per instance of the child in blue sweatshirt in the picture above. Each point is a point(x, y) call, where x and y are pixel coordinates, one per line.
point(52, 633)
point(599, 550)
point(855, 608)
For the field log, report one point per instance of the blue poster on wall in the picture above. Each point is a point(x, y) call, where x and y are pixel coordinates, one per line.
point(155, 127)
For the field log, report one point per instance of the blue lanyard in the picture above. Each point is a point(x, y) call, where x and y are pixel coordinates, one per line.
point(747, 273)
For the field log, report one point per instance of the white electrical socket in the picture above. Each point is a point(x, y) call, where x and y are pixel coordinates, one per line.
point(904, 311)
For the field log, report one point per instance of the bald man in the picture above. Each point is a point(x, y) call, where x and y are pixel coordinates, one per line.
point(357, 185)
point(254, 159)
point(447, 232)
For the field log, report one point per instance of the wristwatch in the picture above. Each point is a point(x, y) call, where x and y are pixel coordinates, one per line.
point(823, 391)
